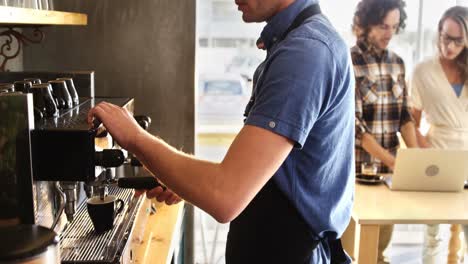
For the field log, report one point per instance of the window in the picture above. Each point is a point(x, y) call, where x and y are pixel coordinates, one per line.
point(224, 11)
point(432, 12)
point(222, 88)
point(203, 42)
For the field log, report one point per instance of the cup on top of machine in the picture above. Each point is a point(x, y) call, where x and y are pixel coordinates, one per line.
point(23, 86)
point(7, 87)
point(71, 89)
point(34, 80)
point(44, 103)
point(61, 94)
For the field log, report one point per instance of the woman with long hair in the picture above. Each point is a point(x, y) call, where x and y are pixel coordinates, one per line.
point(439, 89)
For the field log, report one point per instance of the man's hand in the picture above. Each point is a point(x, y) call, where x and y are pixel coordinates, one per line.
point(161, 195)
point(391, 163)
point(376, 150)
point(118, 122)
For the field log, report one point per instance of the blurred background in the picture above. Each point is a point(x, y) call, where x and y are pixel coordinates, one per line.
point(226, 60)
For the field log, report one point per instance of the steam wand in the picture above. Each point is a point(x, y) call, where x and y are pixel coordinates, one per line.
point(62, 205)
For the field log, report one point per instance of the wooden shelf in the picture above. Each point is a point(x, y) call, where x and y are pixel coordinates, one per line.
point(34, 17)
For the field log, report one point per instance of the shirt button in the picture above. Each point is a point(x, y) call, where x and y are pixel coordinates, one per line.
point(272, 124)
point(275, 39)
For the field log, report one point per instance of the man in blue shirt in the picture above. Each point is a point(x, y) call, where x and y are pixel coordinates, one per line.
point(286, 182)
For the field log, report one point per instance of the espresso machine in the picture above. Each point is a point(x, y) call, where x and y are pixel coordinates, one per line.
point(51, 161)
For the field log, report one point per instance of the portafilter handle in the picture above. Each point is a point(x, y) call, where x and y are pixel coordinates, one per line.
point(139, 183)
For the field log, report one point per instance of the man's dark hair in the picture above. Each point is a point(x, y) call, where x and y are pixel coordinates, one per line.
point(372, 13)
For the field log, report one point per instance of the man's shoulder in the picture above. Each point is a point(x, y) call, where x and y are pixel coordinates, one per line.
point(357, 56)
point(319, 29)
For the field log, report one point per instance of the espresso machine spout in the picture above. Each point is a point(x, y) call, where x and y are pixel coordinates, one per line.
point(69, 188)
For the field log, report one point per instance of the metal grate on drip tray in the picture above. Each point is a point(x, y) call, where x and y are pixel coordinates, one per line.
point(80, 244)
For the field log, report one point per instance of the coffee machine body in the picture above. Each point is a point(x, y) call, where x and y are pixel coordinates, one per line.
point(64, 148)
point(52, 165)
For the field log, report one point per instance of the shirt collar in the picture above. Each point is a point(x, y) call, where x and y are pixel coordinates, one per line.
point(279, 23)
point(370, 49)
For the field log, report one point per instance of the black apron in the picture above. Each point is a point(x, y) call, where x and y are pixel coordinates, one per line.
point(270, 229)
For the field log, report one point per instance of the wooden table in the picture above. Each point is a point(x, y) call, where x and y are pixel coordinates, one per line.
point(378, 205)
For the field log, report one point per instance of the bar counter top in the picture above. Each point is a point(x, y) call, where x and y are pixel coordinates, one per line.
point(156, 235)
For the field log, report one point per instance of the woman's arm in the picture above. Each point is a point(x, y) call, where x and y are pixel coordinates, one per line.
point(422, 141)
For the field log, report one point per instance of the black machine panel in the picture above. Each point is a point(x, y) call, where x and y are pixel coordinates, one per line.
point(63, 147)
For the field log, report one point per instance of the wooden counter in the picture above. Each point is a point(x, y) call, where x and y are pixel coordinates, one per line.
point(156, 235)
point(377, 205)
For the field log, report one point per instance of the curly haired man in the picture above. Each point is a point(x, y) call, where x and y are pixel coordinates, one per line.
point(381, 93)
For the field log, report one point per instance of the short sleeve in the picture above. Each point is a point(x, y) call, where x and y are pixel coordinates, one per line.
point(290, 98)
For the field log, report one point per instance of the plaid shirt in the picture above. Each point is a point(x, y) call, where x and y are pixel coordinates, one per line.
point(381, 99)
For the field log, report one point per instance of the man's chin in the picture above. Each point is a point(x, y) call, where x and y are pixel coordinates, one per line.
point(248, 19)
point(384, 45)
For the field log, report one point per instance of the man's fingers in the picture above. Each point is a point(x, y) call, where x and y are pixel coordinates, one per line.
point(139, 192)
point(95, 112)
point(163, 196)
point(154, 192)
point(172, 200)
point(91, 115)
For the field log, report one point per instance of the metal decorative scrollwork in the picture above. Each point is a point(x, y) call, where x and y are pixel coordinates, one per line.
point(9, 51)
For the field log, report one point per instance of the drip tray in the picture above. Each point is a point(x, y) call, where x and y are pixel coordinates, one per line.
point(80, 244)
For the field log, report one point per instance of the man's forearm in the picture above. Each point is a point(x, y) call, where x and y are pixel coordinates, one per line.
point(376, 150)
point(408, 132)
point(221, 189)
point(166, 162)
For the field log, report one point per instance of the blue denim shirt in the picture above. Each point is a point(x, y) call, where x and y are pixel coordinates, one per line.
point(306, 94)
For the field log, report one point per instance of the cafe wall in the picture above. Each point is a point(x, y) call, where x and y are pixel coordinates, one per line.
point(143, 49)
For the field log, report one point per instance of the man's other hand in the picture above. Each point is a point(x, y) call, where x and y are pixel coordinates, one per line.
point(161, 195)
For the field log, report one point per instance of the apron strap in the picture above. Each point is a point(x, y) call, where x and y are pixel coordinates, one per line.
point(309, 11)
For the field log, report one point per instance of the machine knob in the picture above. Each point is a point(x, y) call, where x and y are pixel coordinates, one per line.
point(109, 158)
point(143, 121)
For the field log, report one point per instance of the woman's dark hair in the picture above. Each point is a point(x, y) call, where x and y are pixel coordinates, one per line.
point(458, 14)
point(372, 13)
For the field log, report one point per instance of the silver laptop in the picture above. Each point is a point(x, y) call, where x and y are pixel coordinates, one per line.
point(429, 170)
